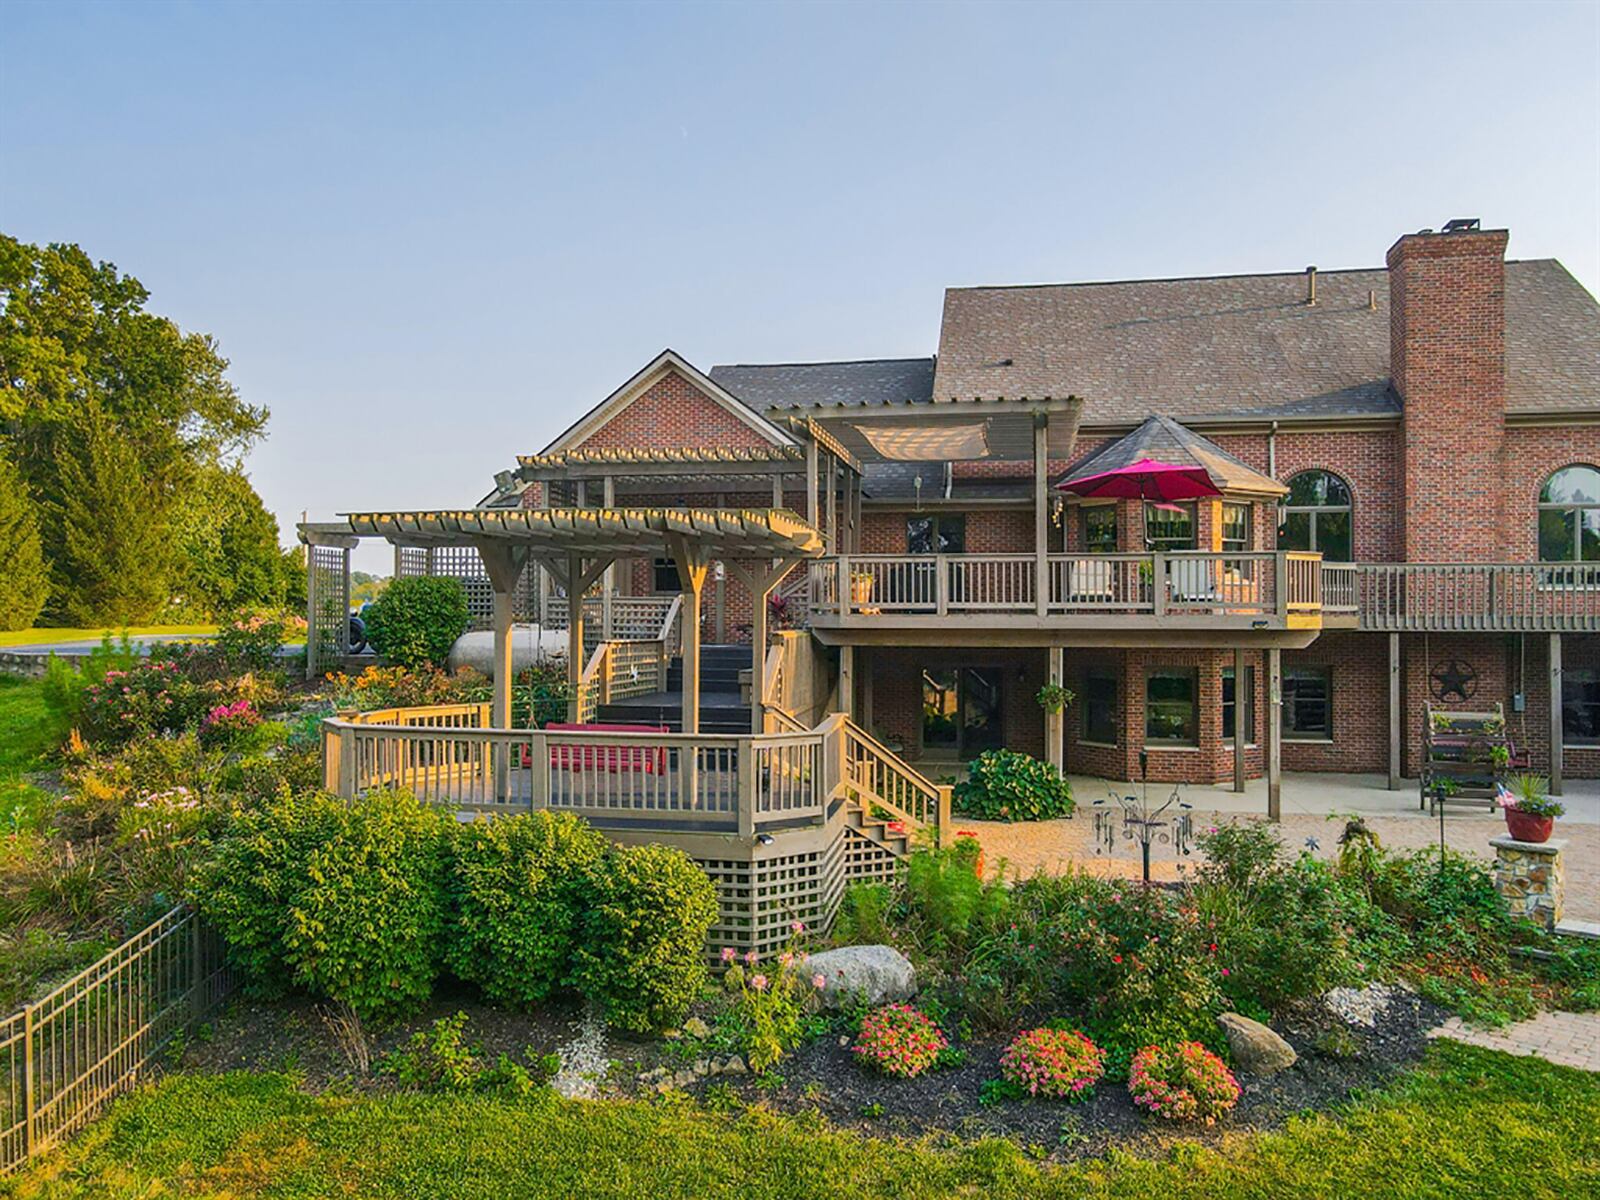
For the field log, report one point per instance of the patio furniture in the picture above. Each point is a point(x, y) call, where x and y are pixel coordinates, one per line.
point(652, 760)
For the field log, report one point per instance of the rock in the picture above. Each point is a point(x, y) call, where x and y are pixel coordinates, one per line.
point(696, 1028)
point(1256, 1049)
point(716, 1066)
point(735, 1066)
point(531, 645)
point(684, 1078)
point(844, 1040)
point(702, 1067)
point(875, 974)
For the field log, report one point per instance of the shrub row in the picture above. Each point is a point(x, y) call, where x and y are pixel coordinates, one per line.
point(366, 902)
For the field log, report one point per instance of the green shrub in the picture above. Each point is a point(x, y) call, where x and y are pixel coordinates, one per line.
point(1005, 785)
point(642, 954)
point(519, 886)
point(863, 918)
point(345, 897)
point(416, 620)
point(66, 681)
point(944, 900)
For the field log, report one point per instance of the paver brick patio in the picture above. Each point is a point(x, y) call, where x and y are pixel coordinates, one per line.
point(1565, 1038)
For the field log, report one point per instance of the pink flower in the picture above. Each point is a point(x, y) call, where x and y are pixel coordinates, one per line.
point(785, 959)
point(729, 954)
point(797, 926)
point(750, 957)
point(818, 981)
point(1224, 970)
point(759, 982)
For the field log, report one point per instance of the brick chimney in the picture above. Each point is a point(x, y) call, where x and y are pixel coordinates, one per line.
point(1447, 358)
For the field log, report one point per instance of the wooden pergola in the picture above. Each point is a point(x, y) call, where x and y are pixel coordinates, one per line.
point(577, 545)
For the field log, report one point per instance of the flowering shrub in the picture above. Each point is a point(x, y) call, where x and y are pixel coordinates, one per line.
point(148, 697)
point(1007, 785)
point(251, 641)
point(416, 620)
point(225, 724)
point(1184, 1082)
point(768, 1002)
point(1062, 1063)
point(900, 1040)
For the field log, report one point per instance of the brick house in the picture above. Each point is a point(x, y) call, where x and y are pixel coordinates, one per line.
point(1402, 457)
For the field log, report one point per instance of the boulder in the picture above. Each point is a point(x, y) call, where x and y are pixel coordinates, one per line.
point(1256, 1049)
point(531, 645)
point(876, 974)
point(696, 1028)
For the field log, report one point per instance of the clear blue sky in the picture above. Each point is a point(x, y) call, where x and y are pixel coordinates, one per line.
point(428, 237)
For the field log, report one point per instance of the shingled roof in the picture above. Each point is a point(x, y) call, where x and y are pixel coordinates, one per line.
point(876, 381)
point(1244, 345)
point(1165, 441)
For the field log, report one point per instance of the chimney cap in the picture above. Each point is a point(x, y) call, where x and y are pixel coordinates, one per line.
point(1463, 225)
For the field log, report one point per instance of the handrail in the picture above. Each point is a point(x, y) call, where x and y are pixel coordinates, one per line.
point(1535, 597)
point(890, 782)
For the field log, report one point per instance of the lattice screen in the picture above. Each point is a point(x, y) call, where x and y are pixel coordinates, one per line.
point(328, 585)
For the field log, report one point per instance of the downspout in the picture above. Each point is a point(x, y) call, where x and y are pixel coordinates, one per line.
point(1272, 451)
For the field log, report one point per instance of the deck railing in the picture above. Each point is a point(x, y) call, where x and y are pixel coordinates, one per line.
point(707, 782)
point(1511, 597)
point(1247, 583)
point(65, 1057)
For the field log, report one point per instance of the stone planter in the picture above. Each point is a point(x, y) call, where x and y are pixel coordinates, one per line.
point(1525, 827)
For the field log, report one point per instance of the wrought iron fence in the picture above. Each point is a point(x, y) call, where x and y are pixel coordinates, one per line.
point(64, 1057)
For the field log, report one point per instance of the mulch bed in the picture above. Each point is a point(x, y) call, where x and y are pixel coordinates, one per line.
point(824, 1076)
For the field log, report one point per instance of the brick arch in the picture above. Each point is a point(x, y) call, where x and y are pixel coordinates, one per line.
point(1537, 499)
point(1343, 477)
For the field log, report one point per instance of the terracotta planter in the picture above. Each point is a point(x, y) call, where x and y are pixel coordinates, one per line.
point(1527, 828)
point(860, 590)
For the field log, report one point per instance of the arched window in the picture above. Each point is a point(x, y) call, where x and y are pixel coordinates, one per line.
point(1315, 515)
point(1569, 516)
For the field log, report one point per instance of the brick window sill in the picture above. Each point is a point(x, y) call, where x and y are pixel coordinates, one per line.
point(1097, 745)
point(1307, 741)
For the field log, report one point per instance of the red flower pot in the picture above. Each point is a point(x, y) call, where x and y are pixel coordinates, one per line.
point(1528, 828)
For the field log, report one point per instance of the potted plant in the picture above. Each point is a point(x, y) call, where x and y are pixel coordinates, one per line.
point(1052, 697)
point(1530, 813)
point(860, 588)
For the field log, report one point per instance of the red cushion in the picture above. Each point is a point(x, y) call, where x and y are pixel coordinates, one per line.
point(616, 758)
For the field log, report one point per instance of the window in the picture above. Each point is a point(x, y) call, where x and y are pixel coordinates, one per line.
point(1315, 515)
point(1099, 528)
point(1308, 704)
point(1168, 526)
point(1100, 707)
point(1580, 706)
point(1230, 704)
point(961, 711)
point(666, 576)
point(1236, 528)
point(941, 533)
point(1169, 706)
point(1569, 516)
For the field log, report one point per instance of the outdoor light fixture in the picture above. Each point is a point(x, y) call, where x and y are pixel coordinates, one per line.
point(763, 839)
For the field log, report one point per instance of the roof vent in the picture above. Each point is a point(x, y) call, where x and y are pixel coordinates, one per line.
point(1006, 362)
point(1311, 285)
point(1462, 225)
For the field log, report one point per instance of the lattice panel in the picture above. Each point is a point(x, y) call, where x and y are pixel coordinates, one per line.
point(411, 562)
point(328, 582)
point(865, 860)
point(733, 924)
point(463, 563)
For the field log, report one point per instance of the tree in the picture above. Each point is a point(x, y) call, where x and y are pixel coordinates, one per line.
point(113, 561)
point(227, 546)
point(24, 585)
point(77, 347)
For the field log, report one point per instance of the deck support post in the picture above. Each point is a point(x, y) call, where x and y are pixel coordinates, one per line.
point(1055, 721)
point(503, 564)
point(1041, 513)
point(1396, 716)
point(1274, 734)
point(1557, 733)
point(847, 680)
point(811, 481)
point(1243, 704)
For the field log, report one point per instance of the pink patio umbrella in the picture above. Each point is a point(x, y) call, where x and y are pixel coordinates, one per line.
point(1146, 479)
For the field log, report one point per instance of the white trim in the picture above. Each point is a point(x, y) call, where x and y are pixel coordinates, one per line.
point(668, 360)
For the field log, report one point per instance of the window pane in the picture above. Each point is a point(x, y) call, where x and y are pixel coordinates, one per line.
point(666, 576)
point(919, 535)
point(1589, 533)
point(1320, 489)
point(1100, 529)
point(980, 712)
point(1100, 708)
point(1295, 532)
point(952, 529)
point(939, 728)
point(1333, 536)
point(1235, 526)
point(1555, 535)
point(1580, 706)
point(1169, 706)
point(1169, 526)
point(1307, 702)
point(1229, 698)
point(1572, 485)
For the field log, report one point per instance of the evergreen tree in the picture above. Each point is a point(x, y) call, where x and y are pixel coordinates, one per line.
point(113, 563)
point(228, 554)
point(24, 586)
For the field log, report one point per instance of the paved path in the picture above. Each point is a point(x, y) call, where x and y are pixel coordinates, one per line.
point(1564, 1038)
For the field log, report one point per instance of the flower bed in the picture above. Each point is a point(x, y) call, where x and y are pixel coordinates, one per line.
point(1185, 1082)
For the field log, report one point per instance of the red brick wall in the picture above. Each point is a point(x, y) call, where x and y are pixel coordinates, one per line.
point(672, 412)
point(1360, 695)
point(1370, 462)
point(896, 682)
point(989, 530)
point(1447, 360)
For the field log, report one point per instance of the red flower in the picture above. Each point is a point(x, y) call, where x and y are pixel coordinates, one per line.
point(1116, 958)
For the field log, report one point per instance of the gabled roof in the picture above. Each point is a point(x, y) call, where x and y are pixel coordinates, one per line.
point(1164, 440)
point(877, 381)
point(1245, 346)
point(668, 360)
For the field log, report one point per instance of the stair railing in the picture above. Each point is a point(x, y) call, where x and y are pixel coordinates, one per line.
point(885, 780)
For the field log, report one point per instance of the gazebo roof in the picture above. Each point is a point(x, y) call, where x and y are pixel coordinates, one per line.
point(719, 532)
point(1164, 440)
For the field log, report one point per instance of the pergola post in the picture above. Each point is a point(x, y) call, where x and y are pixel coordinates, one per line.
point(575, 663)
point(1274, 734)
point(1557, 733)
point(503, 564)
point(692, 577)
point(609, 494)
point(833, 504)
point(759, 578)
point(1041, 513)
point(313, 634)
point(1055, 720)
point(811, 482)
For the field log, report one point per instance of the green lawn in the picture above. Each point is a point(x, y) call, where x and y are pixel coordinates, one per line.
point(24, 745)
point(1467, 1122)
point(32, 637)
